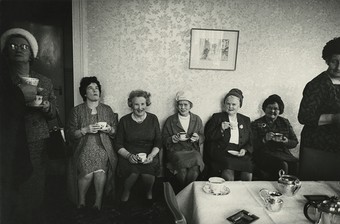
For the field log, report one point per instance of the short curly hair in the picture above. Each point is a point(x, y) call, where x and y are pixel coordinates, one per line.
point(332, 47)
point(139, 93)
point(85, 82)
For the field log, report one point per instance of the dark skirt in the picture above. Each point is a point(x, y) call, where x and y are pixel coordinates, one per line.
point(316, 164)
point(184, 159)
point(126, 168)
point(225, 160)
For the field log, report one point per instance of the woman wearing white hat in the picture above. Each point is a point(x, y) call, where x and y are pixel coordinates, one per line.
point(20, 49)
point(183, 153)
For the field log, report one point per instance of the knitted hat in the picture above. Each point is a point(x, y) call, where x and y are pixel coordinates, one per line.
point(237, 93)
point(18, 31)
point(274, 99)
point(181, 95)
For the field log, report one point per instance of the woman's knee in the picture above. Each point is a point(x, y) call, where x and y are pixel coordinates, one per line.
point(194, 169)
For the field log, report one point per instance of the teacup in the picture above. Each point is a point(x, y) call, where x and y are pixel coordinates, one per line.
point(30, 81)
point(142, 157)
point(233, 124)
point(277, 137)
point(182, 135)
point(102, 124)
point(216, 184)
point(37, 101)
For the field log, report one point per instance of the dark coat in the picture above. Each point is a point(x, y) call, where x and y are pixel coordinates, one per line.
point(219, 140)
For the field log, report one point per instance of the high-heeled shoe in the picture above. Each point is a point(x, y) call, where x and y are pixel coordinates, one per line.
point(95, 210)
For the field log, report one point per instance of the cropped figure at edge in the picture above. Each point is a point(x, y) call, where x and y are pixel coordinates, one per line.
point(229, 139)
point(138, 132)
point(94, 159)
point(320, 114)
point(20, 49)
point(184, 157)
point(273, 138)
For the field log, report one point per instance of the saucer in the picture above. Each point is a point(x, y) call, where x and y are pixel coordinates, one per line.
point(233, 152)
point(104, 129)
point(224, 191)
point(183, 139)
point(36, 106)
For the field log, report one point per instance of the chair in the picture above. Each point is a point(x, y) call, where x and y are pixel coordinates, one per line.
point(170, 199)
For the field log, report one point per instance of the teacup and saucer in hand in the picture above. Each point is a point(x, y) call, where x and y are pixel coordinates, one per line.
point(277, 137)
point(141, 157)
point(37, 102)
point(182, 136)
point(102, 125)
point(30, 81)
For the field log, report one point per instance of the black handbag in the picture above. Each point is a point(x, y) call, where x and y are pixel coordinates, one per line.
point(57, 146)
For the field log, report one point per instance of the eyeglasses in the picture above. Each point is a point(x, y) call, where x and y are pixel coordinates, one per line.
point(23, 47)
point(273, 108)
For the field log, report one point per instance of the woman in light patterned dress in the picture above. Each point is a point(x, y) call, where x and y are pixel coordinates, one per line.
point(94, 158)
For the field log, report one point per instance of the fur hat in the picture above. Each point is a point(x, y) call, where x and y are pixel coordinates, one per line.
point(18, 31)
point(181, 95)
point(235, 92)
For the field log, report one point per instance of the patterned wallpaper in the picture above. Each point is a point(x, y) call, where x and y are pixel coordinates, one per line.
point(145, 44)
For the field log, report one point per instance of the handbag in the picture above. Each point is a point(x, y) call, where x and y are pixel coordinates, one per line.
point(57, 146)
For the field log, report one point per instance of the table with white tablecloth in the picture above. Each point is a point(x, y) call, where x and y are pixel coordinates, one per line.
point(200, 207)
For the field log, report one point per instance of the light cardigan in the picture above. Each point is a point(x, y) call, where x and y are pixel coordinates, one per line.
point(80, 116)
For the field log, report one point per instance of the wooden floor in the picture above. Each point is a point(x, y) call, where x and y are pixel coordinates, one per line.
point(59, 210)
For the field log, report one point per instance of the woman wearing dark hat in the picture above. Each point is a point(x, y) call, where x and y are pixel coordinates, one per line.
point(320, 114)
point(183, 154)
point(20, 49)
point(229, 139)
point(273, 138)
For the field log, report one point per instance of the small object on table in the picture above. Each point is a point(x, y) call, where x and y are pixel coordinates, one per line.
point(242, 216)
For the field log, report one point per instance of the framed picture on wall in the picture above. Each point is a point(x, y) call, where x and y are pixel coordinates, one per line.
point(213, 49)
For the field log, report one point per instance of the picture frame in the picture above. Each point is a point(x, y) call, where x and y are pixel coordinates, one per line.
point(213, 49)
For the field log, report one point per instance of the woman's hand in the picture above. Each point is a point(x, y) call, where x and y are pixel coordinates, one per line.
point(268, 136)
point(149, 159)
point(195, 137)
point(175, 138)
point(242, 153)
point(108, 129)
point(284, 139)
point(132, 158)
point(225, 125)
point(92, 128)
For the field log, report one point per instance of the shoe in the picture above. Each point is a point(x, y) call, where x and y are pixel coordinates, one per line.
point(82, 209)
point(149, 202)
point(95, 211)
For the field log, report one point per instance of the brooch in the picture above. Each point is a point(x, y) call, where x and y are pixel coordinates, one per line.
point(241, 126)
point(263, 125)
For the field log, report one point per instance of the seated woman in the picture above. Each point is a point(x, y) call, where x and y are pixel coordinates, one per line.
point(229, 139)
point(271, 153)
point(94, 158)
point(184, 157)
point(138, 132)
